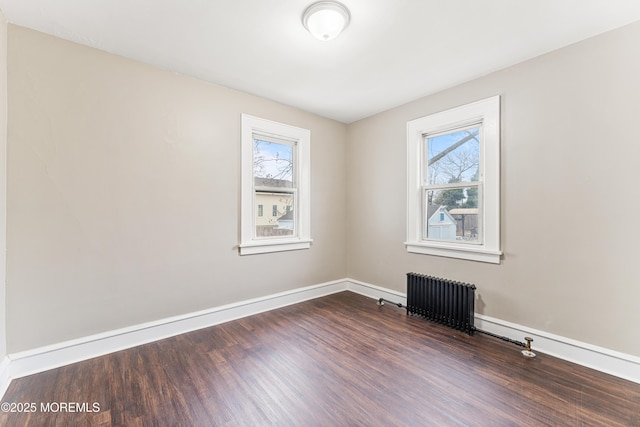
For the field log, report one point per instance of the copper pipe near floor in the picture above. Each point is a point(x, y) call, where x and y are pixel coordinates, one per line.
point(527, 351)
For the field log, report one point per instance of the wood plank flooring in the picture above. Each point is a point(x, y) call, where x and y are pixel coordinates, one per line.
point(339, 360)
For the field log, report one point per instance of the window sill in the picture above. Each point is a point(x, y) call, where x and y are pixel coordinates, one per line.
point(273, 246)
point(455, 251)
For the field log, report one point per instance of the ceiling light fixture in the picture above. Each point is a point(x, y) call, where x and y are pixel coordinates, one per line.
point(325, 20)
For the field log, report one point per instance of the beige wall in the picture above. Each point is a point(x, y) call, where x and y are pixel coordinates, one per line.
point(3, 181)
point(570, 194)
point(123, 194)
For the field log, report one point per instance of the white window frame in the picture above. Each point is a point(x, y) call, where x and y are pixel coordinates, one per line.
point(487, 113)
point(301, 139)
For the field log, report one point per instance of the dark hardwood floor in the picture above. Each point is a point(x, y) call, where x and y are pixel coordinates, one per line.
point(340, 360)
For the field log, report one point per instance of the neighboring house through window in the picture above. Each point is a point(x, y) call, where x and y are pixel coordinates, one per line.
point(453, 179)
point(275, 172)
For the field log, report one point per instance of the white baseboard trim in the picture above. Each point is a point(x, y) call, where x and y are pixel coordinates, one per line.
point(601, 359)
point(54, 356)
point(41, 359)
point(373, 291)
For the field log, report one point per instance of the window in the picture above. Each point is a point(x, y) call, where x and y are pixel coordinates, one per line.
point(453, 183)
point(275, 172)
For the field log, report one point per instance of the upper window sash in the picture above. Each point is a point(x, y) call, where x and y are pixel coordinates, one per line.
point(274, 162)
point(453, 139)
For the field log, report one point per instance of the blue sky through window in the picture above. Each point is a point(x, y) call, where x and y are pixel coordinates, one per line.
point(272, 160)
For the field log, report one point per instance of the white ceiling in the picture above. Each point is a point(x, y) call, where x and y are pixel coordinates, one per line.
point(394, 51)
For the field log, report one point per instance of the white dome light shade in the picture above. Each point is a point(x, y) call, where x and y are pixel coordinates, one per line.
point(325, 20)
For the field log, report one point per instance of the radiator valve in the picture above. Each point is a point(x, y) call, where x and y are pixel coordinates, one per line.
point(527, 351)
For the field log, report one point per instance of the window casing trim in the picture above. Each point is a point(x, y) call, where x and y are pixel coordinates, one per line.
point(486, 112)
point(249, 243)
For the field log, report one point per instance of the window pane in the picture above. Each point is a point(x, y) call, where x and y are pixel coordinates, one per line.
point(453, 157)
point(278, 219)
point(272, 164)
point(452, 214)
